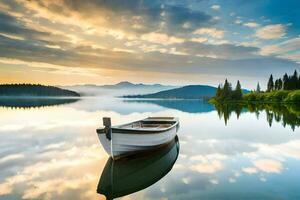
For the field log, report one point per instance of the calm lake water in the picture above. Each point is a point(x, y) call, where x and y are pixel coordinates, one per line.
point(53, 152)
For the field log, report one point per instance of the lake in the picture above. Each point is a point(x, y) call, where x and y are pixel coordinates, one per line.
point(53, 152)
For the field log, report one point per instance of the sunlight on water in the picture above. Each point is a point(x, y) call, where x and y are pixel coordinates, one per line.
point(54, 152)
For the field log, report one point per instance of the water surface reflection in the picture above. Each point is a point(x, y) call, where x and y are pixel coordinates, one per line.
point(54, 153)
point(129, 175)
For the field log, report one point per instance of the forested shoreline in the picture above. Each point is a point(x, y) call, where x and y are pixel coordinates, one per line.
point(34, 90)
point(282, 90)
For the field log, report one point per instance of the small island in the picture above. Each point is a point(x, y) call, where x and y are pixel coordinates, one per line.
point(32, 96)
point(33, 91)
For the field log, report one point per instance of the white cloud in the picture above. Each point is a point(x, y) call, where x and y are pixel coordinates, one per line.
point(161, 38)
point(11, 158)
point(251, 24)
point(199, 39)
point(270, 49)
point(212, 32)
point(215, 7)
point(268, 32)
point(287, 49)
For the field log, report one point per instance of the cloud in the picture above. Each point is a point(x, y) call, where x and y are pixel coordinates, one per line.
point(283, 47)
point(11, 158)
point(10, 27)
point(224, 51)
point(199, 39)
point(161, 38)
point(215, 7)
point(269, 166)
point(287, 49)
point(211, 32)
point(132, 37)
point(251, 24)
point(268, 32)
point(145, 16)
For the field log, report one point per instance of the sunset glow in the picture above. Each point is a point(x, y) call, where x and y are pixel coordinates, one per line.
point(63, 42)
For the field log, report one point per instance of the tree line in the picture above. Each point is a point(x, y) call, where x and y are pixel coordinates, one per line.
point(34, 90)
point(287, 82)
point(225, 92)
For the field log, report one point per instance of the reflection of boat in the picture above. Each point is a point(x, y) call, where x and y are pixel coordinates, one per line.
point(137, 136)
point(126, 176)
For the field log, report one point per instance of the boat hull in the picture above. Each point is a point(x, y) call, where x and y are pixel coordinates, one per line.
point(124, 143)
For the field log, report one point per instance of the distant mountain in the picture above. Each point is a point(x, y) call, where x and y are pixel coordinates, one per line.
point(126, 85)
point(34, 90)
point(186, 92)
point(119, 89)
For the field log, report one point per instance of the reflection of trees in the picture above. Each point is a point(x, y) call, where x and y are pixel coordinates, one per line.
point(225, 110)
point(34, 102)
point(288, 114)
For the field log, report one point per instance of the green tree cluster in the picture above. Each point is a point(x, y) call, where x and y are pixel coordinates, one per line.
point(34, 90)
point(287, 82)
point(226, 93)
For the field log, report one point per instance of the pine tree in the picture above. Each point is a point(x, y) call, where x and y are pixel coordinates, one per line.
point(279, 84)
point(294, 81)
point(218, 92)
point(276, 85)
point(238, 94)
point(258, 88)
point(285, 82)
point(226, 93)
point(270, 84)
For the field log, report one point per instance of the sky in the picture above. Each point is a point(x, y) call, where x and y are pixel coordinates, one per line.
point(68, 42)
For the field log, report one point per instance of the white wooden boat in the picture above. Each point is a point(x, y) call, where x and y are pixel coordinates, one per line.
point(142, 135)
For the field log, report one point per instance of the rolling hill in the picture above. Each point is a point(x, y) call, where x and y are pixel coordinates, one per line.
point(34, 90)
point(186, 92)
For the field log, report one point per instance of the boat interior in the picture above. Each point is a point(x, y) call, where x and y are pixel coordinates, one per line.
point(151, 123)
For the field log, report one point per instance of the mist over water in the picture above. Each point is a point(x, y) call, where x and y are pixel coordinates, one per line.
point(53, 152)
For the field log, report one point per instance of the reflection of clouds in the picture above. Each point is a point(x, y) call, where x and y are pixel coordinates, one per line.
point(232, 180)
point(186, 180)
point(289, 149)
point(208, 164)
point(269, 166)
point(54, 177)
point(249, 170)
point(56, 152)
point(214, 181)
point(208, 167)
